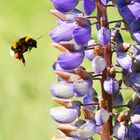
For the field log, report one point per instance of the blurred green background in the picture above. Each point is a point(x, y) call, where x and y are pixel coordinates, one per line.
point(25, 98)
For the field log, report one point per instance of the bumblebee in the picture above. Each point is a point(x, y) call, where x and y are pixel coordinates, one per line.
point(21, 46)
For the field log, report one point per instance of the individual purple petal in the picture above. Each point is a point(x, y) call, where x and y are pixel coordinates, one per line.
point(87, 130)
point(101, 116)
point(121, 3)
point(111, 86)
point(62, 90)
point(137, 57)
point(56, 67)
point(71, 16)
point(122, 131)
point(134, 26)
point(134, 80)
point(81, 35)
point(65, 5)
point(82, 87)
point(135, 119)
point(59, 21)
point(136, 37)
point(90, 54)
point(124, 60)
point(98, 64)
point(134, 131)
point(104, 35)
point(88, 6)
point(69, 61)
point(136, 109)
point(130, 12)
point(63, 32)
point(104, 2)
point(117, 99)
point(63, 115)
point(119, 38)
point(88, 100)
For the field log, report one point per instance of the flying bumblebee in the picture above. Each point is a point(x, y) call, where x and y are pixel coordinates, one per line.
point(21, 46)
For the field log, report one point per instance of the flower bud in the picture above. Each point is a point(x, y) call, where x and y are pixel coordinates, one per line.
point(124, 60)
point(104, 35)
point(98, 64)
point(122, 131)
point(101, 116)
point(111, 85)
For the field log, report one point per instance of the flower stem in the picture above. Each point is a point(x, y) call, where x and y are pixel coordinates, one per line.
point(106, 131)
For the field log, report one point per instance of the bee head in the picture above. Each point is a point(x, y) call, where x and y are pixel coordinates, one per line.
point(32, 43)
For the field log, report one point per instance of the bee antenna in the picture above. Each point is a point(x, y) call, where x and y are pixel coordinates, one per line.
point(39, 37)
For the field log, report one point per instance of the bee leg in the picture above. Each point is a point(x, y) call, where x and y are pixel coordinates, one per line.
point(22, 59)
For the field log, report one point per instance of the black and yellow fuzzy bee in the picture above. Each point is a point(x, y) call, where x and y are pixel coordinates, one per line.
point(21, 46)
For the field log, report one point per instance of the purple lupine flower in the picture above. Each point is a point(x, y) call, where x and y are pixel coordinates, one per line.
point(64, 115)
point(88, 6)
point(70, 61)
point(130, 12)
point(65, 5)
point(87, 130)
point(104, 35)
point(124, 60)
point(111, 86)
point(63, 32)
point(98, 64)
point(101, 116)
point(81, 35)
point(62, 90)
point(82, 87)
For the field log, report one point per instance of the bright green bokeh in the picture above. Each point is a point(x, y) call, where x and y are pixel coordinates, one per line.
point(25, 98)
